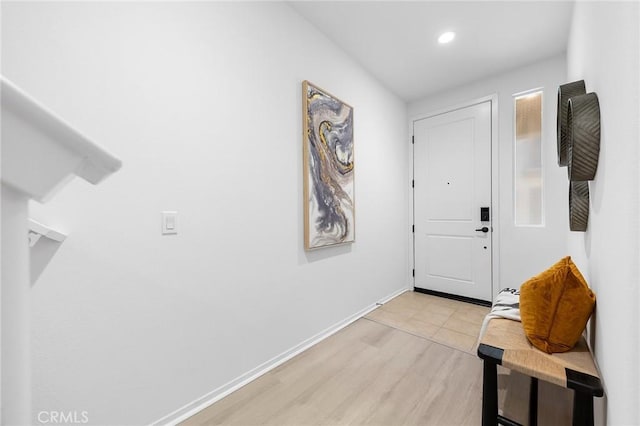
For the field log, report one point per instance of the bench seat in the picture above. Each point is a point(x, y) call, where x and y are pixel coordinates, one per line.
point(504, 343)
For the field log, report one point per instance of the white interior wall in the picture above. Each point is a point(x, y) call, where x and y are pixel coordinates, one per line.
point(202, 102)
point(524, 251)
point(604, 47)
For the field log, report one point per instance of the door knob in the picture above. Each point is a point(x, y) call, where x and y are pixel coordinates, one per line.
point(483, 229)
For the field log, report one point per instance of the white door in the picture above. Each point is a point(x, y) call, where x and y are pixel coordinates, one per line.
point(452, 173)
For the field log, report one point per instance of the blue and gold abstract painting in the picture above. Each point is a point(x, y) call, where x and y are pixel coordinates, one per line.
point(329, 210)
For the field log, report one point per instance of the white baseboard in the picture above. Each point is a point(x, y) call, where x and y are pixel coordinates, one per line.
point(215, 395)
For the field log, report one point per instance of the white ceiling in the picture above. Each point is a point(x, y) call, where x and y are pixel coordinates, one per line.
point(397, 40)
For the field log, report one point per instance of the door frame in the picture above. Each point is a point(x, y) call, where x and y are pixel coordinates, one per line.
point(495, 184)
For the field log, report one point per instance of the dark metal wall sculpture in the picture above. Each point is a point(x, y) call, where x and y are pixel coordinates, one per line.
point(583, 137)
point(578, 121)
point(565, 92)
point(578, 205)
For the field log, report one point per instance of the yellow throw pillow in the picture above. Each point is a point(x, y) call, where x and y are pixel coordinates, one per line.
point(555, 307)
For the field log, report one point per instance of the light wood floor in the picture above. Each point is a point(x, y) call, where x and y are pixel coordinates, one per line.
point(409, 362)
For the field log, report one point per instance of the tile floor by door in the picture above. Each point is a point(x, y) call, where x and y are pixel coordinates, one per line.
point(411, 361)
point(449, 322)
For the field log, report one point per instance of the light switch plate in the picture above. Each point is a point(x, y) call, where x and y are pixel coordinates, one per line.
point(169, 222)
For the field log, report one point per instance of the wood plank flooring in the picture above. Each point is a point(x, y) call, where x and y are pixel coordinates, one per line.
point(409, 362)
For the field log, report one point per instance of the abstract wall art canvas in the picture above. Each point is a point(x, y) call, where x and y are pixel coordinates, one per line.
point(329, 209)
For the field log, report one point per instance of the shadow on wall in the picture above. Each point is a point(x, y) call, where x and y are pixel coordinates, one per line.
point(596, 195)
point(595, 204)
point(326, 252)
point(41, 255)
point(599, 404)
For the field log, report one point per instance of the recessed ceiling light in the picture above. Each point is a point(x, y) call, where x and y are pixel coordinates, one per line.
point(446, 37)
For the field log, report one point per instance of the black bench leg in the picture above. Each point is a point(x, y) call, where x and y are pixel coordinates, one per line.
point(489, 394)
point(533, 402)
point(582, 409)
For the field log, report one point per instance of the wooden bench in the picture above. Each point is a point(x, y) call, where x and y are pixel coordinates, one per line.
point(504, 343)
